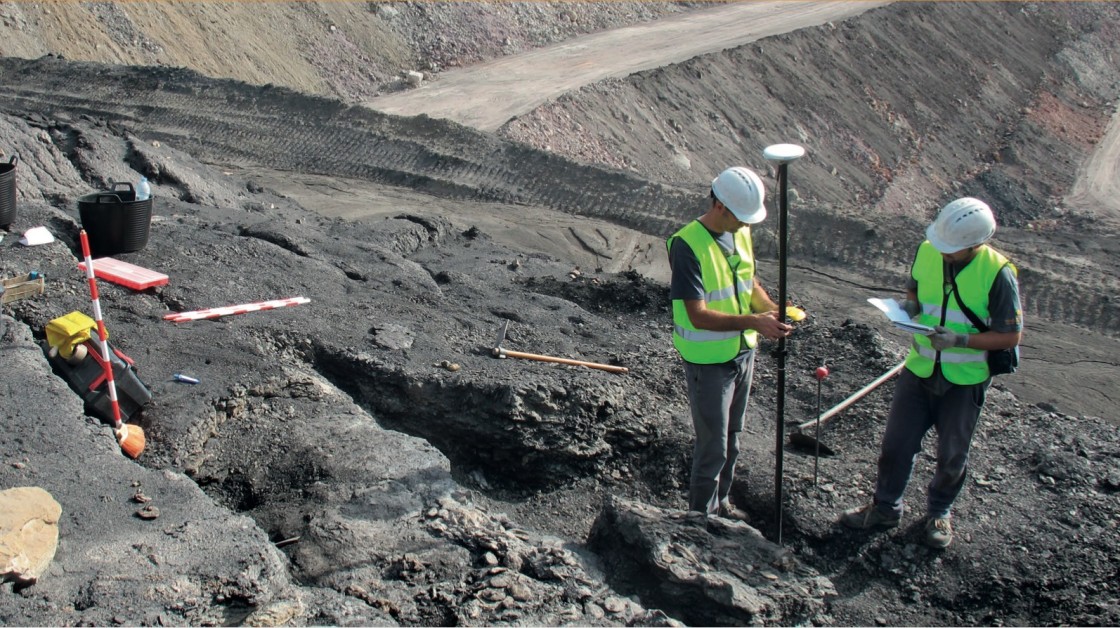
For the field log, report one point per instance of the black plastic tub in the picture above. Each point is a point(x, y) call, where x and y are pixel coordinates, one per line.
point(8, 193)
point(115, 221)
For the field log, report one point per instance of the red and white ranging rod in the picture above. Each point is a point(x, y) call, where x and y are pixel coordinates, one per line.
point(216, 312)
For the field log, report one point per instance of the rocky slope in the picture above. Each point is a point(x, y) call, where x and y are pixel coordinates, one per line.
point(901, 110)
point(383, 487)
point(348, 50)
point(332, 468)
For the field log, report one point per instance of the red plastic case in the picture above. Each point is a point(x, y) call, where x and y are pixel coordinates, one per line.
point(125, 274)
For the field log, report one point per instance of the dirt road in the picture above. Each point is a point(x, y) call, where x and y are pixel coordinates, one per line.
point(1097, 190)
point(487, 95)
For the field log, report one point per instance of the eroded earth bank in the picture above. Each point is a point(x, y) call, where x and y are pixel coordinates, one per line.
point(365, 459)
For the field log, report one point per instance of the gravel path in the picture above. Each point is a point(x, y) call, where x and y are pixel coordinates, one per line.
point(487, 95)
point(1097, 190)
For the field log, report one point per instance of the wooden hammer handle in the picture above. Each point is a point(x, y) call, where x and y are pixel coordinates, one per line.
point(548, 358)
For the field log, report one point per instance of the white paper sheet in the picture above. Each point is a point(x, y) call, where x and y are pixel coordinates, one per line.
point(899, 317)
point(35, 236)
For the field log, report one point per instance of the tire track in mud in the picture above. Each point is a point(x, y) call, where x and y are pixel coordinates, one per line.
point(227, 122)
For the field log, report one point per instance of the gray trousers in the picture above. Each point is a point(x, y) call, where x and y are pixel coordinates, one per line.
point(718, 395)
point(918, 405)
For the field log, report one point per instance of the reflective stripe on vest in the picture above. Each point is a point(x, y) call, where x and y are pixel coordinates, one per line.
point(953, 315)
point(939, 307)
point(947, 356)
point(722, 285)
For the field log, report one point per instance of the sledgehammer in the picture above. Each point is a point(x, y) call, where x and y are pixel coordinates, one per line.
point(500, 352)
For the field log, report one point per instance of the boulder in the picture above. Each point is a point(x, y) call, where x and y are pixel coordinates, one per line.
point(28, 533)
point(716, 571)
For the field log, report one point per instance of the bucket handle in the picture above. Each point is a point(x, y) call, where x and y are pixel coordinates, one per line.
point(113, 188)
point(105, 197)
point(13, 160)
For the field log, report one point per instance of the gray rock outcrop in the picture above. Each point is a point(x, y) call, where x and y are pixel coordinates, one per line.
point(111, 564)
point(724, 572)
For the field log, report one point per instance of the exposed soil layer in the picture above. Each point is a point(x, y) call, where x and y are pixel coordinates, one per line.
point(347, 50)
point(332, 467)
point(901, 110)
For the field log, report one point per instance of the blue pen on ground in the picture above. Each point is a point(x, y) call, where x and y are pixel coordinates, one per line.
point(179, 377)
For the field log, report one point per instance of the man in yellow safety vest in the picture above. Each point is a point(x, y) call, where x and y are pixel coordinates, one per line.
point(719, 309)
point(968, 293)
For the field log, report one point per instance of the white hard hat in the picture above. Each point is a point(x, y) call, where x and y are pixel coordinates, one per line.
point(741, 191)
point(962, 223)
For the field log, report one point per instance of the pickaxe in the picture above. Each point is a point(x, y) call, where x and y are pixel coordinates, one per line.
point(500, 352)
point(800, 439)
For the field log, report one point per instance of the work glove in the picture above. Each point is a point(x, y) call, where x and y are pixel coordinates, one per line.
point(912, 308)
point(943, 339)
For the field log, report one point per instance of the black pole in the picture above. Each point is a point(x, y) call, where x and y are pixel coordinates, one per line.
point(817, 452)
point(779, 449)
point(782, 154)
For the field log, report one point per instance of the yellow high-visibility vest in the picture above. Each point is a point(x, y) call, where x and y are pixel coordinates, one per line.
point(939, 307)
point(727, 285)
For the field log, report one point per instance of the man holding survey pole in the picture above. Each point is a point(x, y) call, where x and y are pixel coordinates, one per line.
point(719, 310)
point(967, 296)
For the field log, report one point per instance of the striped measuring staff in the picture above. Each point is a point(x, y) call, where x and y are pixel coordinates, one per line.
point(215, 312)
point(91, 277)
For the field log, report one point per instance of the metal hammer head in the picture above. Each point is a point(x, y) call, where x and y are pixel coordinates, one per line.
point(498, 351)
point(805, 442)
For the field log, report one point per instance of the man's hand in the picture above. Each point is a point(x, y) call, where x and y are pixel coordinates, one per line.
point(768, 324)
point(943, 339)
point(911, 307)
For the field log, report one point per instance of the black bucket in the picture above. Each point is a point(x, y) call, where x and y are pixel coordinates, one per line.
point(8, 193)
point(115, 221)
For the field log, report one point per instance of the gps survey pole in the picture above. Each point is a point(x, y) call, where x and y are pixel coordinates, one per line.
point(782, 154)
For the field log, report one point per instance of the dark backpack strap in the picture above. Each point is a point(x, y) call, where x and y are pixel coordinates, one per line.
point(976, 322)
